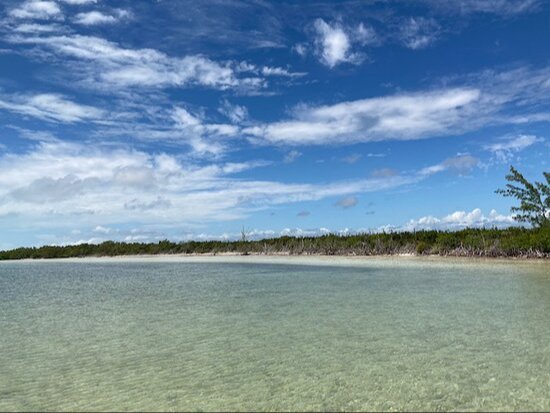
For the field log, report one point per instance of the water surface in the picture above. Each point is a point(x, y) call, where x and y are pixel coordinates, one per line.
point(190, 335)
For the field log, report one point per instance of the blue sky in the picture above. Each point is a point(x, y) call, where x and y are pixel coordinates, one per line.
point(143, 120)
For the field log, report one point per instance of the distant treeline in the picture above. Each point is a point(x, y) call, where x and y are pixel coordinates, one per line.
point(511, 242)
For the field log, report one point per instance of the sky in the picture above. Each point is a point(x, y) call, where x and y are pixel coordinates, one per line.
point(142, 120)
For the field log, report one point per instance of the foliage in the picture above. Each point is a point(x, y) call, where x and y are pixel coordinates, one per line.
point(510, 242)
point(534, 198)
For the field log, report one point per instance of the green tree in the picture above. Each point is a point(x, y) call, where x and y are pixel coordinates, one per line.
point(534, 198)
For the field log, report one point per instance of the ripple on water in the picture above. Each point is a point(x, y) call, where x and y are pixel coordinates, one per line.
point(210, 336)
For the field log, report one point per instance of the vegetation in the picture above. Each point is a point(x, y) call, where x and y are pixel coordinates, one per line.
point(534, 198)
point(510, 242)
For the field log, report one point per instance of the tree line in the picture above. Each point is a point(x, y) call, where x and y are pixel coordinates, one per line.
point(510, 242)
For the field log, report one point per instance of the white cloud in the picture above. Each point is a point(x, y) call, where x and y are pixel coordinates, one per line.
point(364, 35)
point(292, 156)
point(106, 65)
point(93, 240)
point(205, 138)
point(419, 32)
point(94, 18)
point(185, 119)
point(79, 2)
point(333, 45)
point(136, 238)
point(245, 67)
point(505, 149)
point(401, 117)
point(487, 98)
point(38, 28)
point(458, 220)
point(51, 107)
point(300, 48)
point(235, 113)
point(37, 9)
point(60, 183)
point(279, 71)
point(461, 165)
point(103, 230)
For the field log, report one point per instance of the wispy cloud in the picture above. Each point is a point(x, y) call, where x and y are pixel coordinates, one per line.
point(505, 149)
point(461, 165)
point(353, 158)
point(419, 32)
point(235, 113)
point(300, 48)
point(37, 9)
point(79, 2)
point(50, 107)
point(407, 116)
point(246, 67)
point(291, 156)
point(94, 18)
point(36, 28)
point(334, 43)
point(105, 64)
point(103, 230)
point(196, 130)
point(279, 71)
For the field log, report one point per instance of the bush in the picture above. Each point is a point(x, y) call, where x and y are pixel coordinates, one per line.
point(421, 247)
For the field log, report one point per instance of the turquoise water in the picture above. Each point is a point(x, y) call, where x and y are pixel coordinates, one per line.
point(379, 335)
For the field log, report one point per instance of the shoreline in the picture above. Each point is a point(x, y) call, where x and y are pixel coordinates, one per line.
point(284, 258)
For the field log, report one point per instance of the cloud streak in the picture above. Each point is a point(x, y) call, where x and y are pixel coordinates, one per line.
point(399, 117)
point(105, 64)
point(37, 9)
point(95, 18)
point(51, 107)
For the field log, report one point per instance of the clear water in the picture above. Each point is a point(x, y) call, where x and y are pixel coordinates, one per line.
point(379, 335)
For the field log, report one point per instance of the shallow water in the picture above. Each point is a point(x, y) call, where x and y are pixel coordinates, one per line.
point(382, 335)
